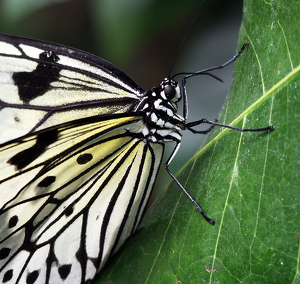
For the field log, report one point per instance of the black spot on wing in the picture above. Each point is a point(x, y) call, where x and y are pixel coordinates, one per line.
point(4, 253)
point(84, 158)
point(27, 156)
point(37, 82)
point(13, 221)
point(7, 276)
point(32, 276)
point(64, 271)
point(47, 181)
point(69, 210)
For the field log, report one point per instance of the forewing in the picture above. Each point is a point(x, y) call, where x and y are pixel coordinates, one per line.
point(44, 84)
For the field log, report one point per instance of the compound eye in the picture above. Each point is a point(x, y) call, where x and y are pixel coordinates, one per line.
point(170, 91)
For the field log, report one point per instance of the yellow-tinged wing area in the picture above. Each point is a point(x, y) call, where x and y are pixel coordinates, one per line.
point(86, 184)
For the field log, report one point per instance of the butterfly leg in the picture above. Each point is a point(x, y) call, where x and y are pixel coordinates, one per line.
point(222, 65)
point(190, 125)
point(204, 72)
point(213, 123)
point(229, 61)
point(200, 209)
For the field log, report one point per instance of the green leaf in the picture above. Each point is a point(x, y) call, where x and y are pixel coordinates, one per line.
point(247, 182)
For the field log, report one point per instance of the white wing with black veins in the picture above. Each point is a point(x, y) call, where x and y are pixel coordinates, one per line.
point(43, 84)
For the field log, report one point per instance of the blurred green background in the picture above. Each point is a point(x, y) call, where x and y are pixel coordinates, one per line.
point(142, 38)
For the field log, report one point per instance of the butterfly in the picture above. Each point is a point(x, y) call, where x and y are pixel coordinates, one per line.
point(81, 147)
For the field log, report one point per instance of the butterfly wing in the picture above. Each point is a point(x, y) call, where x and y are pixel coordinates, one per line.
point(71, 196)
point(44, 84)
point(75, 184)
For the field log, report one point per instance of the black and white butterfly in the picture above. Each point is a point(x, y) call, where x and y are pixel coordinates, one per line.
point(81, 148)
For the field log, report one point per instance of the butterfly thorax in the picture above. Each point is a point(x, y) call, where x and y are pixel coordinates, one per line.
point(161, 120)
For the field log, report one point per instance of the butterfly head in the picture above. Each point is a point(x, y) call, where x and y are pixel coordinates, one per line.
point(170, 90)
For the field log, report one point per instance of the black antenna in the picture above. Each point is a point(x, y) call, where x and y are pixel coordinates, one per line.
point(184, 37)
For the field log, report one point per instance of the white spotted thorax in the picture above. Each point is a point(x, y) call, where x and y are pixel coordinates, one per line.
point(162, 122)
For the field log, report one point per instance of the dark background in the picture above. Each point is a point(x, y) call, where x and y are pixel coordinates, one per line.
point(142, 38)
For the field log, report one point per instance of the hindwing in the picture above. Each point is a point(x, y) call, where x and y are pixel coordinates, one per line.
point(87, 185)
